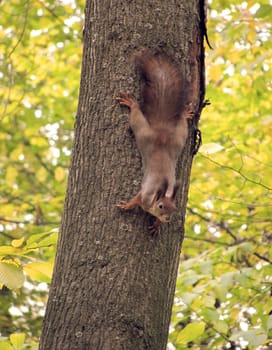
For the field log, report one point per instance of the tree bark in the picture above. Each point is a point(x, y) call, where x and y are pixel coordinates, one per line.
point(113, 284)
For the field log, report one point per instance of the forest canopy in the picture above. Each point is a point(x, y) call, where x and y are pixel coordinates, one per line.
point(223, 293)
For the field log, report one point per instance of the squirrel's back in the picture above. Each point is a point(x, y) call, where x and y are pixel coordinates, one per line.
point(164, 90)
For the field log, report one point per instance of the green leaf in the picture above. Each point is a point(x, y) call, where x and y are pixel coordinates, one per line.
point(209, 301)
point(269, 322)
point(49, 240)
point(247, 246)
point(188, 297)
point(254, 337)
point(17, 340)
point(11, 275)
point(211, 315)
point(264, 11)
point(228, 278)
point(35, 239)
point(191, 332)
point(221, 326)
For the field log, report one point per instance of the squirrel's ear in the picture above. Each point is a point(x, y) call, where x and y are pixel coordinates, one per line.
point(175, 190)
point(162, 190)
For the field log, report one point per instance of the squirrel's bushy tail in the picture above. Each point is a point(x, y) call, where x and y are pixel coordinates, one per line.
point(164, 90)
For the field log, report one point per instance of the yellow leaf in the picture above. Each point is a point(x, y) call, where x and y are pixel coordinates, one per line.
point(17, 340)
point(17, 242)
point(11, 175)
point(5, 345)
point(41, 174)
point(38, 141)
point(215, 73)
point(8, 250)
point(11, 275)
point(39, 271)
point(235, 56)
point(251, 35)
point(4, 136)
point(16, 153)
point(59, 174)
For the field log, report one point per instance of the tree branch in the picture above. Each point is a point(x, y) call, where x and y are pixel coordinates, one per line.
point(238, 172)
point(221, 224)
point(22, 32)
point(262, 257)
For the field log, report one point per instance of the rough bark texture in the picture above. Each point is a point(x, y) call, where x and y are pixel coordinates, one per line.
point(113, 284)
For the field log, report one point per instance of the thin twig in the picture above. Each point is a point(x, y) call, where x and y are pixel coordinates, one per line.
point(238, 172)
point(221, 225)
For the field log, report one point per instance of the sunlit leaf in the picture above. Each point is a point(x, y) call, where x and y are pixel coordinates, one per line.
point(265, 10)
point(11, 175)
point(221, 326)
point(36, 239)
point(191, 332)
point(18, 242)
point(17, 340)
point(11, 275)
point(8, 250)
point(39, 271)
point(254, 337)
point(59, 174)
point(5, 345)
point(269, 322)
point(210, 148)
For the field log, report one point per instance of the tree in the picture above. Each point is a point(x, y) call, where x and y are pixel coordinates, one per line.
point(113, 285)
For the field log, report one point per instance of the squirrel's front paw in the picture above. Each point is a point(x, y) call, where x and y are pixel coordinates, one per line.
point(189, 115)
point(155, 228)
point(123, 205)
point(154, 231)
point(124, 99)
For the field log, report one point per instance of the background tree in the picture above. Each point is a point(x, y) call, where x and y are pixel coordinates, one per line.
point(113, 284)
point(36, 38)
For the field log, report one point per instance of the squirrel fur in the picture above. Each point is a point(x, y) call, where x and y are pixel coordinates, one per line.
point(160, 129)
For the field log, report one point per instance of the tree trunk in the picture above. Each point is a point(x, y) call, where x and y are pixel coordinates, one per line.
point(113, 284)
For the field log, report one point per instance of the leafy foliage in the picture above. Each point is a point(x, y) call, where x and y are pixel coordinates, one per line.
point(40, 62)
point(225, 271)
point(223, 291)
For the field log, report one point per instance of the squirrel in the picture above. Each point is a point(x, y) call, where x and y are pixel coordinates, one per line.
point(160, 129)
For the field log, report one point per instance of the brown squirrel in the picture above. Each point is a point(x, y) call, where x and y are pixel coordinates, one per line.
point(161, 130)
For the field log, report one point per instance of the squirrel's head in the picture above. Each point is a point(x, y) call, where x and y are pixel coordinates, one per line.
point(164, 207)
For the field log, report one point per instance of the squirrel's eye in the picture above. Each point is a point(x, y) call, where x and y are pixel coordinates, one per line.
point(160, 206)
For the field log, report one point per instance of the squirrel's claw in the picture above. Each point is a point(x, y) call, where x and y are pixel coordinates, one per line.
point(154, 231)
point(189, 115)
point(124, 99)
point(155, 228)
point(123, 205)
